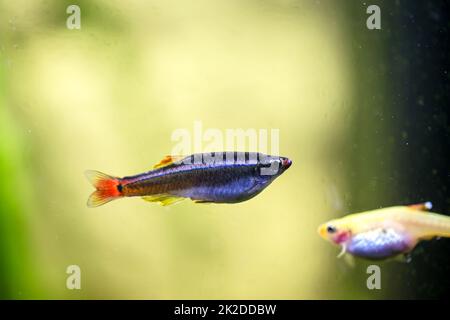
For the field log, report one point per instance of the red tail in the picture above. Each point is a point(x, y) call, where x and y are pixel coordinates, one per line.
point(108, 188)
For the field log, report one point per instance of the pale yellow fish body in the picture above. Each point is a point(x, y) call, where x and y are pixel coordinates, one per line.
point(384, 232)
point(419, 224)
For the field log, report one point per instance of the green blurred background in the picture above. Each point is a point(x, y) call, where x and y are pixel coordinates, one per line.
point(109, 96)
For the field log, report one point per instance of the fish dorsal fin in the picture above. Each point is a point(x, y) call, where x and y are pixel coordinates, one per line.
point(426, 206)
point(168, 160)
point(163, 199)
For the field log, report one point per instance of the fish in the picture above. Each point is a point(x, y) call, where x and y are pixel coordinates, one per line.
point(386, 233)
point(215, 177)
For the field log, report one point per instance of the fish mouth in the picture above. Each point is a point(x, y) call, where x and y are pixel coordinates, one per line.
point(322, 231)
point(286, 163)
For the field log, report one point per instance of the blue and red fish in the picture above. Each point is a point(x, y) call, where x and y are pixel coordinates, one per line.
point(220, 177)
point(385, 233)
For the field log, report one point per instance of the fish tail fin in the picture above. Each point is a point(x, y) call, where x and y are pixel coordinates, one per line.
point(108, 188)
point(437, 226)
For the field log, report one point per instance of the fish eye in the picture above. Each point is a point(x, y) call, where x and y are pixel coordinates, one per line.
point(331, 229)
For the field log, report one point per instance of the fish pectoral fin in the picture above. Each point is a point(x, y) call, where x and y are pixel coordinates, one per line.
point(403, 258)
point(163, 199)
point(343, 251)
point(168, 160)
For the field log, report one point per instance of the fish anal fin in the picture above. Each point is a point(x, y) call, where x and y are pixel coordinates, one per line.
point(163, 199)
point(168, 160)
point(403, 258)
point(425, 206)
